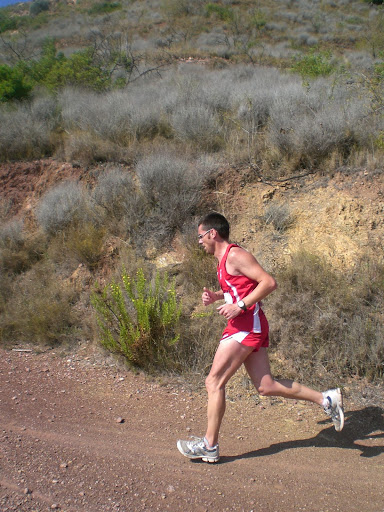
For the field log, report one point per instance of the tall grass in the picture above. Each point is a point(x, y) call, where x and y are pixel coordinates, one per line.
point(39, 309)
point(327, 323)
point(19, 248)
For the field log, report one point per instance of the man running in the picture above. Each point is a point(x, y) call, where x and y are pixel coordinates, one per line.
point(244, 284)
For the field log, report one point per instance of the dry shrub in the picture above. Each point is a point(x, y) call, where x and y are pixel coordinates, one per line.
point(199, 125)
point(19, 249)
point(40, 309)
point(328, 323)
point(198, 268)
point(86, 243)
point(280, 216)
point(86, 148)
point(62, 205)
point(23, 135)
point(199, 338)
point(115, 192)
point(171, 186)
point(123, 206)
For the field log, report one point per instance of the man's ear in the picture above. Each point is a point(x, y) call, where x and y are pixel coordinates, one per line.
point(214, 233)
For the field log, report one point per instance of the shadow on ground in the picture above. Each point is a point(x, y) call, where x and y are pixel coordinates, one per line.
point(361, 429)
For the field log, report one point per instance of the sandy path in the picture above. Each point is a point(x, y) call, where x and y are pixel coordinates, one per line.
point(62, 446)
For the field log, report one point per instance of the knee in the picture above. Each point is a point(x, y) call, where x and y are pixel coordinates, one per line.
point(212, 384)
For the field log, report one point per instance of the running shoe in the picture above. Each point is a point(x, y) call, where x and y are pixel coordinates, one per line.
point(197, 449)
point(334, 407)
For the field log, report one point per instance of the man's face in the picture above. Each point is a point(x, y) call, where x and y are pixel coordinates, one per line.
point(205, 239)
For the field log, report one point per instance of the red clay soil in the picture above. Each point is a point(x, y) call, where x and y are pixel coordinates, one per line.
point(79, 435)
point(23, 183)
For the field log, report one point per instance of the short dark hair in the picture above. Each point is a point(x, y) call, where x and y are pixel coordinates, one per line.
point(216, 221)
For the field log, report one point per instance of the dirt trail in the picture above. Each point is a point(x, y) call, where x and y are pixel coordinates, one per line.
point(64, 446)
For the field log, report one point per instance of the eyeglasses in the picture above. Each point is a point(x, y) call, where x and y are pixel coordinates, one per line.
point(203, 235)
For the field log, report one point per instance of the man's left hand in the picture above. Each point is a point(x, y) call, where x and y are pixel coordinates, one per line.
point(229, 311)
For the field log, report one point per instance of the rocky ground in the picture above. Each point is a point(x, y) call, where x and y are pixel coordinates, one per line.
point(81, 434)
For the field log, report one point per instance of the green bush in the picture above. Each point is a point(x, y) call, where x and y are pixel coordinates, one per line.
point(379, 71)
point(259, 19)
point(7, 22)
point(182, 7)
point(54, 71)
point(313, 65)
point(139, 319)
point(223, 13)
point(104, 8)
point(77, 70)
point(13, 84)
point(38, 70)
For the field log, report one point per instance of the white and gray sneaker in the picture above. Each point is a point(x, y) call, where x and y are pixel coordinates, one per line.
point(197, 449)
point(333, 406)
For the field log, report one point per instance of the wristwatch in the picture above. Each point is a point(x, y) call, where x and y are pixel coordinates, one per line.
point(241, 305)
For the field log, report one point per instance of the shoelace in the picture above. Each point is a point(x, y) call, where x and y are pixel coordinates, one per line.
point(332, 411)
point(195, 443)
point(328, 408)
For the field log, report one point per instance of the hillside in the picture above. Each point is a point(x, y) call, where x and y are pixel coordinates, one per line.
point(340, 217)
point(121, 123)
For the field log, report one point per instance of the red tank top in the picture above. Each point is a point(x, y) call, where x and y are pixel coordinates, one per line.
point(236, 288)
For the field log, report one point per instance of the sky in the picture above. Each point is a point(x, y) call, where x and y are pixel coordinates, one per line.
point(4, 3)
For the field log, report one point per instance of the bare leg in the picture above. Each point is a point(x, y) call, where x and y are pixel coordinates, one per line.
point(229, 357)
point(257, 366)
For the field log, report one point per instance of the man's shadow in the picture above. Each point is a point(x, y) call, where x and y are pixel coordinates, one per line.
point(360, 426)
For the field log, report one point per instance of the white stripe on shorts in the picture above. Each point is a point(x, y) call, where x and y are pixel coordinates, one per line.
point(237, 336)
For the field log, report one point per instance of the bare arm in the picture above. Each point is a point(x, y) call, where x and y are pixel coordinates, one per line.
point(241, 262)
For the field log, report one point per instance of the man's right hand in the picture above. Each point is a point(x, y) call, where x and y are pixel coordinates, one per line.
point(208, 297)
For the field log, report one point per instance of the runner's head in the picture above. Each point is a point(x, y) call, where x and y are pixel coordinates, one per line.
point(216, 221)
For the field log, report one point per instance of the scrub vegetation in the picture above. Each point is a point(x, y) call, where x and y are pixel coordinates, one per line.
point(150, 98)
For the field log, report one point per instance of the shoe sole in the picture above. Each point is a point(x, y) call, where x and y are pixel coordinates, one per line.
point(340, 411)
point(211, 460)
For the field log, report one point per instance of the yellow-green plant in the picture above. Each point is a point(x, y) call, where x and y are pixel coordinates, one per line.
point(139, 319)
